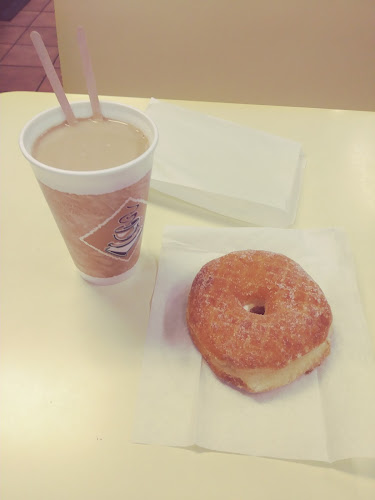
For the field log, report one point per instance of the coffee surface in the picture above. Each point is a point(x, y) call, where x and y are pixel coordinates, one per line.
point(90, 145)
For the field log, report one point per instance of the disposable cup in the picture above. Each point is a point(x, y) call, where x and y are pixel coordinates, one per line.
point(100, 213)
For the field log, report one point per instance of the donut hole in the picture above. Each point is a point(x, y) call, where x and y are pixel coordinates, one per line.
point(258, 310)
point(255, 308)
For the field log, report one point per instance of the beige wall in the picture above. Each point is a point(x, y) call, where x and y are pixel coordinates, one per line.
point(316, 53)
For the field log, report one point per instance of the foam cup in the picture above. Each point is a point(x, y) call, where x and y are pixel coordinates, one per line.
point(100, 213)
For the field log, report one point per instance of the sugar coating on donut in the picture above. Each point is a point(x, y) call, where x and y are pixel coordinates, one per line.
point(259, 320)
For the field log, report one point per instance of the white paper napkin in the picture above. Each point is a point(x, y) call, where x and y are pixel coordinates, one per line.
point(327, 415)
point(225, 167)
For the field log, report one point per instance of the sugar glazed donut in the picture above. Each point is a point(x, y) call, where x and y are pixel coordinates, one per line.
point(258, 319)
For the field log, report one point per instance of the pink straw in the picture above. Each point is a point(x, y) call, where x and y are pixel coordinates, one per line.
point(89, 73)
point(52, 77)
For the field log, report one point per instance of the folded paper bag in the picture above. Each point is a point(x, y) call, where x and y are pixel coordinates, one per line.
point(225, 167)
point(327, 415)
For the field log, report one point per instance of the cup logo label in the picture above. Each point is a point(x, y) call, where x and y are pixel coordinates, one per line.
point(118, 235)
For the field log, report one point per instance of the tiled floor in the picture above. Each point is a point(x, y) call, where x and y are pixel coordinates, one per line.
point(20, 68)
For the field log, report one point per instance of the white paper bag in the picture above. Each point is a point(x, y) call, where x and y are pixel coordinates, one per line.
point(326, 415)
point(225, 167)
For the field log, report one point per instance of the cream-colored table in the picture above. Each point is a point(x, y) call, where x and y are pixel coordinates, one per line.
point(71, 353)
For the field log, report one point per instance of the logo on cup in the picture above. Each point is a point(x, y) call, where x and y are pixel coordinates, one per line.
point(118, 235)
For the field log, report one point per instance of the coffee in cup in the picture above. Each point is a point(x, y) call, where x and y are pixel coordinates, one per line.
point(95, 176)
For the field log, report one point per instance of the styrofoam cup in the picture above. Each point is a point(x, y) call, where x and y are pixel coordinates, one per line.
point(100, 213)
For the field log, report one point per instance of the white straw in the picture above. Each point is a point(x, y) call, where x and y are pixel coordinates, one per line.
point(89, 73)
point(52, 77)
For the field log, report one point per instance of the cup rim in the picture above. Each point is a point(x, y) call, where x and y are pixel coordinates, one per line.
point(87, 173)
